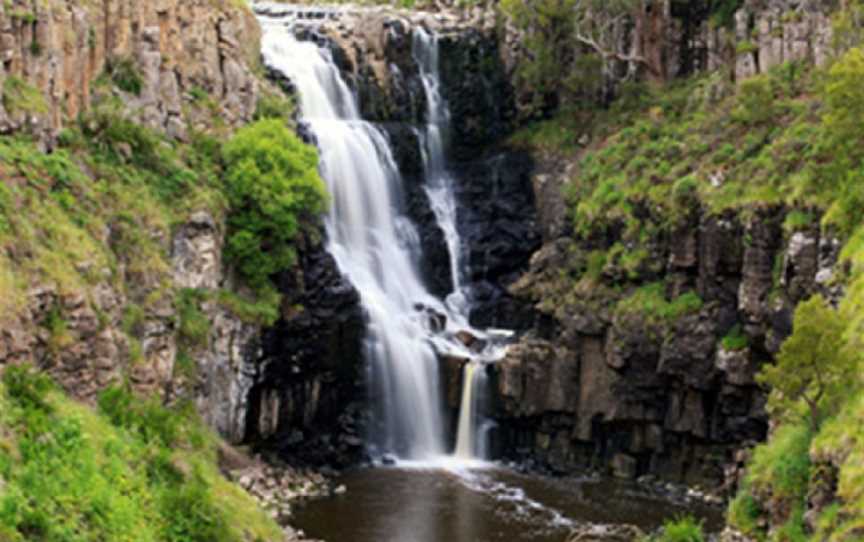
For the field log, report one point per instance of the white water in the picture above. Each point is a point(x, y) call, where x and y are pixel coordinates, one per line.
point(377, 247)
point(470, 439)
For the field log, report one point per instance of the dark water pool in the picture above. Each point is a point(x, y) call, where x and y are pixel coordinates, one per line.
point(399, 505)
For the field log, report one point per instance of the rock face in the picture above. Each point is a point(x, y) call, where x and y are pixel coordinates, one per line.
point(60, 48)
point(307, 402)
point(595, 386)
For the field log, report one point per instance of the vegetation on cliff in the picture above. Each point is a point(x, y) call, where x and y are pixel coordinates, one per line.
point(131, 470)
point(92, 215)
point(789, 140)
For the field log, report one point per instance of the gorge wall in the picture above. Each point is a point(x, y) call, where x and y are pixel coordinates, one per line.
point(585, 385)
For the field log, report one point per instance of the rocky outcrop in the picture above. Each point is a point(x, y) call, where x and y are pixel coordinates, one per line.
point(93, 338)
point(598, 386)
point(498, 225)
point(170, 52)
point(308, 401)
point(77, 341)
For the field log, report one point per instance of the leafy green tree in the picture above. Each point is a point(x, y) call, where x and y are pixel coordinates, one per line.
point(273, 188)
point(813, 365)
point(550, 43)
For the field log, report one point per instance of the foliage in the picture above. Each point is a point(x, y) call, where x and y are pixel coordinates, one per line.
point(784, 465)
point(555, 66)
point(125, 74)
point(735, 339)
point(135, 471)
point(20, 96)
point(684, 529)
point(263, 310)
point(193, 326)
point(274, 106)
point(650, 302)
point(755, 101)
point(273, 187)
point(813, 366)
point(842, 439)
point(744, 512)
point(723, 12)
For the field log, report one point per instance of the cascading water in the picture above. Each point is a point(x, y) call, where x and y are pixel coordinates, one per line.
point(377, 247)
point(440, 189)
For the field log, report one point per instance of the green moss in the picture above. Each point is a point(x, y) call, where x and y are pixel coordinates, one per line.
point(685, 529)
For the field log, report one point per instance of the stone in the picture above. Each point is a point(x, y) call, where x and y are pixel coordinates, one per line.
point(78, 41)
point(624, 466)
point(536, 376)
point(737, 366)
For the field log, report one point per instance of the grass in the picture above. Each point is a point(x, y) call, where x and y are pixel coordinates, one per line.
point(193, 325)
point(131, 471)
point(650, 302)
point(779, 472)
point(21, 97)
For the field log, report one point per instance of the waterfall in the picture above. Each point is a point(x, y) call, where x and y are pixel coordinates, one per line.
point(377, 247)
point(440, 189)
point(439, 181)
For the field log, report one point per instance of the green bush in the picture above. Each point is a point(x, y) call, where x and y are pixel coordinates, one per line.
point(273, 187)
point(125, 74)
point(735, 339)
point(744, 512)
point(686, 529)
point(782, 466)
point(20, 96)
point(193, 325)
point(755, 101)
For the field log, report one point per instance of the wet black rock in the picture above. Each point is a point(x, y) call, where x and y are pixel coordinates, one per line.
point(306, 403)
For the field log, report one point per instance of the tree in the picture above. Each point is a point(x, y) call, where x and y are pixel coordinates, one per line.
point(814, 365)
point(273, 187)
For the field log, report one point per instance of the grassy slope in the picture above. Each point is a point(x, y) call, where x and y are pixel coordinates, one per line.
point(131, 471)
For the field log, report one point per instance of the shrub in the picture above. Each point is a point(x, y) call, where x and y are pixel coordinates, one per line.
point(782, 466)
point(814, 366)
point(686, 529)
point(755, 101)
point(273, 187)
point(735, 339)
point(744, 512)
point(193, 324)
point(650, 302)
point(20, 96)
point(125, 74)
